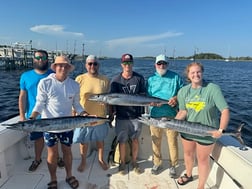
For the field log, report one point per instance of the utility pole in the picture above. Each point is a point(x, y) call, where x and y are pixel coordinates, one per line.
point(196, 50)
point(74, 46)
point(31, 44)
point(66, 47)
point(83, 51)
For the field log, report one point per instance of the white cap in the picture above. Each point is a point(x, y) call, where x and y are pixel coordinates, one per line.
point(91, 57)
point(161, 57)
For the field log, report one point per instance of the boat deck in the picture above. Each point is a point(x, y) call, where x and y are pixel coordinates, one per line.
point(94, 177)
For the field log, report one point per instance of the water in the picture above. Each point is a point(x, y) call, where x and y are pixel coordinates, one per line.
point(234, 78)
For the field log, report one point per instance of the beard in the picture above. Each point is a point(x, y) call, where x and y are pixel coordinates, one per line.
point(161, 72)
point(40, 66)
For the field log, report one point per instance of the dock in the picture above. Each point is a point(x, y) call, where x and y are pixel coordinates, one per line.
point(12, 58)
point(15, 58)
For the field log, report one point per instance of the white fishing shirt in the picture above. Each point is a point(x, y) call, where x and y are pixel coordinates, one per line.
point(56, 98)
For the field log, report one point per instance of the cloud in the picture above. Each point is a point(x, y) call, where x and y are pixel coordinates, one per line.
point(141, 39)
point(54, 30)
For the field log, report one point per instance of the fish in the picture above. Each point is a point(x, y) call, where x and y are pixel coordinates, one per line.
point(55, 124)
point(122, 99)
point(188, 127)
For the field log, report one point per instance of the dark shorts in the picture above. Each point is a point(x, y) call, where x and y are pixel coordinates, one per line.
point(36, 135)
point(127, 128)
point(201, 143)
point(65, 138)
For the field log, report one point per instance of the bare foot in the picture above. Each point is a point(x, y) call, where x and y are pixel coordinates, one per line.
point(82, 166)
point(103, 165)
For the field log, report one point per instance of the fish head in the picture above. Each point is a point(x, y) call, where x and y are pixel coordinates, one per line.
point(152, 121)
point(145, 120)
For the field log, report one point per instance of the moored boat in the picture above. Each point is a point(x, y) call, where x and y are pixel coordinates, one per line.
point(231, 167)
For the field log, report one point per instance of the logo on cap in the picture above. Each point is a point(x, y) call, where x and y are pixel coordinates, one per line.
point(127, 58)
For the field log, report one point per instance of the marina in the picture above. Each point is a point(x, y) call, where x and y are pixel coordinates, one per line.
point(15, 58)
point(214, 33)
point(19, 56)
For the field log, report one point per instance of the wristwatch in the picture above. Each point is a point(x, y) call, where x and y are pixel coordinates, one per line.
point(83, 113)
point(221, 130)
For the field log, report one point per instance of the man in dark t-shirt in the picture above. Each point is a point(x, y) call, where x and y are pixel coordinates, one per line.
point(126, 125)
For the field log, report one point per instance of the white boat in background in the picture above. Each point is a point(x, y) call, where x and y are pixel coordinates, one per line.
point(231, 167)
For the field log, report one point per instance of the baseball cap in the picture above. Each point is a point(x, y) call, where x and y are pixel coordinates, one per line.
point(91, 57)
point(161, 57)
point(127, 58)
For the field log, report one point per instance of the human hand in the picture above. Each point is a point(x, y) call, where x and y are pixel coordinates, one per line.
point(216, 133)
point(22, 118)
point(172, 102)
point(155, 104)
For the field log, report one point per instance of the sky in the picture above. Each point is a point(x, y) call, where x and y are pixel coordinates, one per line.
point(140, 27)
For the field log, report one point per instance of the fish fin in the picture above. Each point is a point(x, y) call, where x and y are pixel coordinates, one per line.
point(237, 135)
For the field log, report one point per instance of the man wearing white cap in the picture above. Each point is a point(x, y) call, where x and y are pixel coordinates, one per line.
point(164, 84)
point(92, 83)
point(56, 96)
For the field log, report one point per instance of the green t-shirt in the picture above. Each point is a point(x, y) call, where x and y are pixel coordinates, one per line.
point(202, 105)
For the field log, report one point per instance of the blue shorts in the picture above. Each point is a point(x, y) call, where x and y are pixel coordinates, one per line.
point(87, 134)
point(53, 138)
point(125, 128)
point(36, 135)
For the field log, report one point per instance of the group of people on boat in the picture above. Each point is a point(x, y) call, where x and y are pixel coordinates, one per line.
point(48, 93)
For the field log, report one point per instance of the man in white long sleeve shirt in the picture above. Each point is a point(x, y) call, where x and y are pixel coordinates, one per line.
point(57, 95)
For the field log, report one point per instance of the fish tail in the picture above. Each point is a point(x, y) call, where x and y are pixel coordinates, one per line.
point(237, 135)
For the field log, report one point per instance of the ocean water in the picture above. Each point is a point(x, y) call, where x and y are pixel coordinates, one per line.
point(234, 78)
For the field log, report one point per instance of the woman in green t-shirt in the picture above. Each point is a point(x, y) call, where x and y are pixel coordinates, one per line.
point(201, 102)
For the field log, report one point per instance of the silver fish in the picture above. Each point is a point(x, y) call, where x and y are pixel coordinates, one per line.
point(188, 127)
point(122, 99)
point(56, 124)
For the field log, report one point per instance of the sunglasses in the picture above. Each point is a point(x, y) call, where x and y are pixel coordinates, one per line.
point(62, 65)
point(40, 57)
point(92, 63)
point(161, 63)
point(127, 63)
